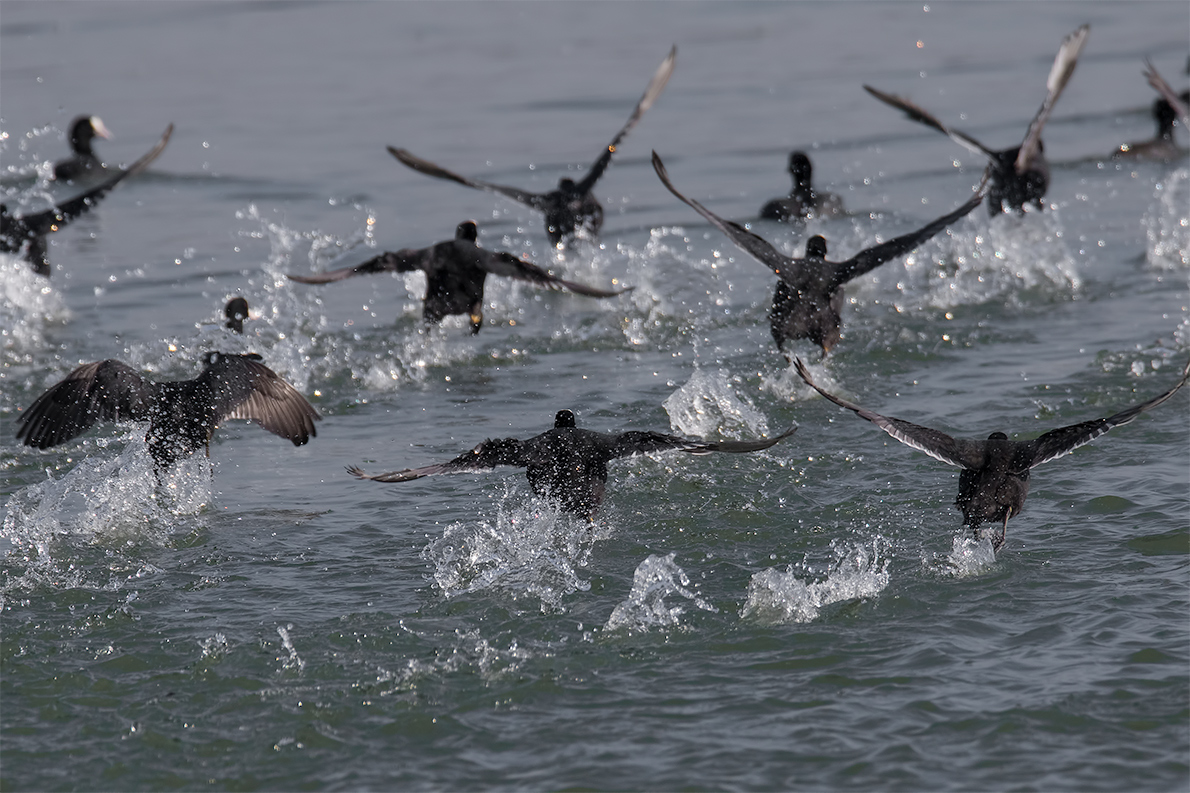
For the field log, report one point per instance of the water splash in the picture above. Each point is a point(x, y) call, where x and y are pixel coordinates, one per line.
point(967, 557)
point(973, 265)
point(28, 304)
point(655, 579)
point(707, 403)
point(776, 597)
point(105, 500)
point(292, 661)
point(1167, 223)
point(530, 550)
point(787, 384)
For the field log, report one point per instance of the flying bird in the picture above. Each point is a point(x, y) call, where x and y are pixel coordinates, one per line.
point(571, 206)
point(1169, 109)
point(455, 273)
point(809, 295)
point(568, 465)
point(26, 234)
point(1019, 175)
point(804, 201)
point(182, 415)
point(995, 476)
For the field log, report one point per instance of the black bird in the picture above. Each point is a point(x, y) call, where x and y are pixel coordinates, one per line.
point(1019, 175)
point(26, 234)
point(1168, 110)
point(568, 465)
point(236, 312)
point(182, 414)
point(809, 295)
point(83, 130)
point(803, 201)
point(571, 206)
point(455, 271)
point(995, 477)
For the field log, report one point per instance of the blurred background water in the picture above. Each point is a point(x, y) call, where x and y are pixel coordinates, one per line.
point(808, 617)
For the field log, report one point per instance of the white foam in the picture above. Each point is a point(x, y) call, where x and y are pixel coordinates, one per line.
point(530, 550)
point(1167, 223)
point(105, 499)
point(707, 403)
point(776, 597)
point(967, 557)
point(655, 579)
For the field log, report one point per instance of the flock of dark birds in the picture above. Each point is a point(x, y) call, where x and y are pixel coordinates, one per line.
point(567, 465)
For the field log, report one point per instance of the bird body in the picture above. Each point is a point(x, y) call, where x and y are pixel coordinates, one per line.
point(995, 478)
point(455, 274)
point(26, 234)
point(1019, 175)
point(182, 415)
point(808, 300)
point(568, 464)
point(83, 162)
point(803, 201)
point(571, 206)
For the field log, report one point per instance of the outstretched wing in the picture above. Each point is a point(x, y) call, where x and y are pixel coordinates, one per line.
point(632, 443)
point(484, 457)
point(244, 388)
point(1158, 82)
point(1060, 73)
point(921, 116)
point(871, 258)
point(1056, 443)
point(755, 246)
point(49, 220)
point(534, 200)
point(402, 261)
point(509, 266)
point(939, 445)
point(100, 391)
point(652, 91)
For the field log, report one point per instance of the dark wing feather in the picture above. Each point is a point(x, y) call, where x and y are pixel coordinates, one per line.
point(244, 388)
point(1158, 82)
point(47, 221)
point(939, 445)
point(1056, 443)
point(402, 261)
point(534, 200)
point(871, 258)
point(484, 457)
point(1060, 73)
point(632, 443)
point(755, 246)
point(509, 266)
point(100, 391)
point(652, 91)
point(919, 115)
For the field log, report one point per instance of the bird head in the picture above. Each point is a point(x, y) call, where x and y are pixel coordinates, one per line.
point(816, 247)
point(564, 419)
point(467, 230)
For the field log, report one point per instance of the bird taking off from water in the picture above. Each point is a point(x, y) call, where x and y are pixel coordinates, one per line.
point(995, 477)
point(571, 207)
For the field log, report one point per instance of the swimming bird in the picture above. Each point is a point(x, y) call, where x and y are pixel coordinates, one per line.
point(182, 415)
point(995, 477)
point(26, 234)
point(568, 465)
point(809, 295)
point(236, 312)
point(84, 162)
point(571, 206)
point(1168, 110)
point(1019, 175)
point(455, 272)
point(803, 201)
